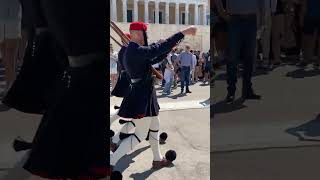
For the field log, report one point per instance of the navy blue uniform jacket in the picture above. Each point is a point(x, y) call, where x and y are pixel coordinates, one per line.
point(142, 100)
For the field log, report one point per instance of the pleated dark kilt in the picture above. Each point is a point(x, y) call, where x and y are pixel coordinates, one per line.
point(140, 102)
point(31, 91)
point(71, 139)
point(122, 86)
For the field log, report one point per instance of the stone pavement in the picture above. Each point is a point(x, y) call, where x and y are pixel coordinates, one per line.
point(188, 134)
point(273, 128)
point(273, 164)
point(186, 120)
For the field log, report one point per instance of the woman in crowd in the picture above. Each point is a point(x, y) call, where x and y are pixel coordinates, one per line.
point(206, 67)
point(197, 70)
point(113, 67)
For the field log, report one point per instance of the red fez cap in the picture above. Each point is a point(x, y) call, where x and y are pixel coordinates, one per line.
point(138, 26)
point(128, 35)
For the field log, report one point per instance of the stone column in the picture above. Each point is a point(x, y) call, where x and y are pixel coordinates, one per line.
point(204, 14)
point(177, 13)
point(114, 10)
point(146, 11)
point(135, 10)
point(186, 14)
point(124, 10)
point(156, 17)
point(196, 14)
point(167, 13)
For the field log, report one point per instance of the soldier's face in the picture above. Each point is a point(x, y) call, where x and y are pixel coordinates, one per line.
point(138, 37)
point(141, 37)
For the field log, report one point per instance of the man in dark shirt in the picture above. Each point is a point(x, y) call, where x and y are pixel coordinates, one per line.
point(243, 18)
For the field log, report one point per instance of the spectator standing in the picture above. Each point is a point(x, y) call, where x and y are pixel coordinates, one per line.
point(207, 67)
point(277, 31)
point(269, 9)
point(198, 67)
point(10, 34)
point(194, 61)
point(311, 28)
point(168, 76)
point(186, 65)
point(244, 18)
point(113, 67)
point(219, 32)
point(157, 67)
point(175, 61)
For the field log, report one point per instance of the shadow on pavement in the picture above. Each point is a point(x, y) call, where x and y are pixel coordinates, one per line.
point(171, 96)
point(126, 160)
point(258, 72)
point(302, 73)
point(204, 85)
point(309, 131)
point(205, 103)
point(146, 174)
point(159, 88)
point(223, 107)
point(178, 96)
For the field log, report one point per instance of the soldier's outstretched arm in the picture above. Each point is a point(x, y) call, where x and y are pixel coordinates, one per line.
point(158, 49)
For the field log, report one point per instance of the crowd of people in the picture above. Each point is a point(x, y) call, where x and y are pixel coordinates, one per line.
point(291, 29)
point(264, 34)
point(181, 66)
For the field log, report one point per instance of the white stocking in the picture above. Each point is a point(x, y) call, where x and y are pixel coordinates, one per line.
point(128, 144)
point(114, 118)
point(154, 138)
point(128, 128)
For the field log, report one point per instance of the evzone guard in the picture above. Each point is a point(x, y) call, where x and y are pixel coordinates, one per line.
point(70, 142)
point(121, 89)
point(140, 105)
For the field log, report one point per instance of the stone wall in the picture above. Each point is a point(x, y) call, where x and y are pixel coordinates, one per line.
point(162, 31)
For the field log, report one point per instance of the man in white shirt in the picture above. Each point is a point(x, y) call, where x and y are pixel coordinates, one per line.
point(157, 67)
point(194, 60)
point(113, 67)
point(168, 75)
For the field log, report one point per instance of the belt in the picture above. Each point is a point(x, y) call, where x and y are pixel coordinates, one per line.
point(40, 30)
point(80, 61)
point(135, 80)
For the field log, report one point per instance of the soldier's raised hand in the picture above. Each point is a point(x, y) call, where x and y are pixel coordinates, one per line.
point(192, 30)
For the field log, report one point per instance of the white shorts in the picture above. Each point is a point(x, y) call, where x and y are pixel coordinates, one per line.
point(113, 71)
point(113, 68)
point(10, 30)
